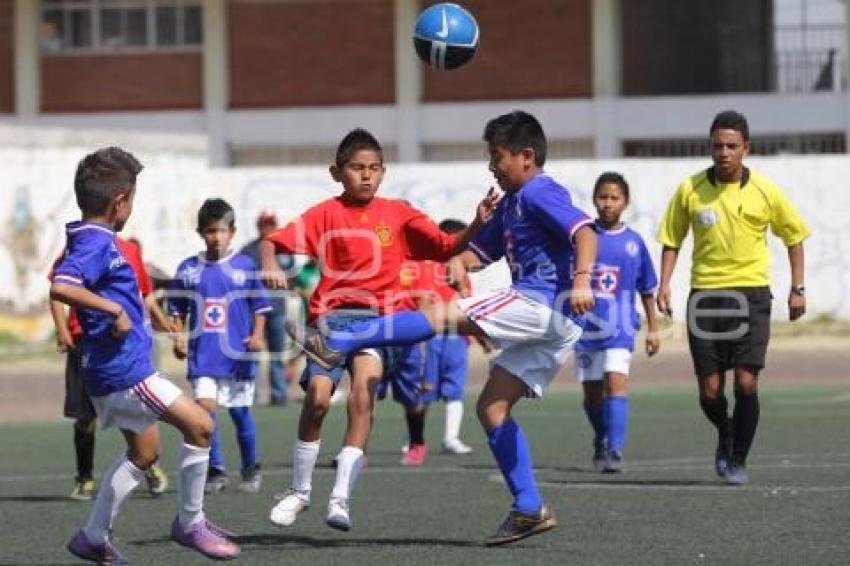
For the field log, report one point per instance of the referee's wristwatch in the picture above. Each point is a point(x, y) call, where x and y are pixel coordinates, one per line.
point(799, 290)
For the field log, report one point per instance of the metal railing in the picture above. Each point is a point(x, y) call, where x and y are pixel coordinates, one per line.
point(810, 58)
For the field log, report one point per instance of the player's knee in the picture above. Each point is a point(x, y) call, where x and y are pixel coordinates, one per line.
point(490, 415)
point(316, 405)
point(202, 432)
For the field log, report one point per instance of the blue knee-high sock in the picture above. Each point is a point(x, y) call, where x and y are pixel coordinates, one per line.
point(616, 417)
point(216, 455)
point(246, 435)
point(513, 456)
point(594, 416)
point(400, 329)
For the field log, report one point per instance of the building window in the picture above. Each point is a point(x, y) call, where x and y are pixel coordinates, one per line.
point(826, 142)
point(114, 26)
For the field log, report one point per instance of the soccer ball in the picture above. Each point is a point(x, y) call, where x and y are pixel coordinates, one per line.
point(445, 36)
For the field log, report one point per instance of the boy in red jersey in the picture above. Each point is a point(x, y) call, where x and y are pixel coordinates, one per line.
point(360, 242)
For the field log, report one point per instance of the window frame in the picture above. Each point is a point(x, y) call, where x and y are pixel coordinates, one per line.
point(98, 47)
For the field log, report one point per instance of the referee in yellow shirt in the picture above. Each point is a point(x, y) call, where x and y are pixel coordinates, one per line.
point(730, 208)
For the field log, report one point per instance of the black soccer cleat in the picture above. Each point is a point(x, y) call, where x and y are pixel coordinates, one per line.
point(314, 345)
point(518, 526)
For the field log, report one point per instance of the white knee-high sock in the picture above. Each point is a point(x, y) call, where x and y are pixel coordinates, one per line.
point(118, 482)
point(304, 456)
point(193, 462)
point(454, 416)
point(348, 465)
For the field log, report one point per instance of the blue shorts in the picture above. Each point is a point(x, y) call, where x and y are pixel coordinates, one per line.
point(344, 320)
point(429, 371)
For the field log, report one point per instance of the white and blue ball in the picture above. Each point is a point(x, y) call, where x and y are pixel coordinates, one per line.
point(445, 36)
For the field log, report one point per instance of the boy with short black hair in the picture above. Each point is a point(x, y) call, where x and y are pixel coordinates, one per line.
point(94, 277)
point(550, 246)
point(219, 293)
point(360, 241)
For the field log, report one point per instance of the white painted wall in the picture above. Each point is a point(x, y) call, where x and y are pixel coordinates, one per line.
point(36, 199)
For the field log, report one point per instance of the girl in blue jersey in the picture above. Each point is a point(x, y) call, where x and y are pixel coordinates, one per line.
point(623, 270)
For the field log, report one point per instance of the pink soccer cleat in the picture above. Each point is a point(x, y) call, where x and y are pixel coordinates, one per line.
point(415, 455)
point(207, 538)
point(81, 547)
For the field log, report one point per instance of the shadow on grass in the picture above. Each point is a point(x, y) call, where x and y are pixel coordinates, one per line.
point(270, 539)
point(37, 499)
point(618, 480)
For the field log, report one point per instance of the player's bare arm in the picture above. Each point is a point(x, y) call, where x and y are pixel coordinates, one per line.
point(64, 340)
point(81, 298)
point(796, 296)
point(272, 275)
point(483, 214)
point(256, 341)
point(581, 298)
point(159, 320)
point(668, 263)
point(457, 268)
point(180, 348)
point(653, 340)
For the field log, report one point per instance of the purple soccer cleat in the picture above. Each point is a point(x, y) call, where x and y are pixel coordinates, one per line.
point(207, 538)
point(81, 547)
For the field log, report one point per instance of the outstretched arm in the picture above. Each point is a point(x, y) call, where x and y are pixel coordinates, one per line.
point(483, 214)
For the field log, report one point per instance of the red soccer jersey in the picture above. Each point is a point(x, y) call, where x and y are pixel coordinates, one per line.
point(428, 280)
point(133, 256)
point(360, 251)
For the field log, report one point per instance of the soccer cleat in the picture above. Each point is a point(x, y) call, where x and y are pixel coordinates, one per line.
point(736, 474)
point(216, 481)
point(415, 455)
point(157, 480)
point(338, 514)
point(314, 345)
point(290, 505)
point(81, 547)
point(518, 526)
point(83, 490)
point(722, 455)
point(613, 462)
point(252, 480)
point(600, 454)
point(205, 537)
point(456, 446)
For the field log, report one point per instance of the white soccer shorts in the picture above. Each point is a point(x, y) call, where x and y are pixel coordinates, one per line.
point(592, 366)
point(534, 340)
point(139, 406)
point(225, 392)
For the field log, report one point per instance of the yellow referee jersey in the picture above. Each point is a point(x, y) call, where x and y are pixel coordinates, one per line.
point(730, 223)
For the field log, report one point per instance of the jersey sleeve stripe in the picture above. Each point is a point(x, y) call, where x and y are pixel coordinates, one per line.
point(480, 253)
point(578, 225)
point(68, 279)
point(263, 310)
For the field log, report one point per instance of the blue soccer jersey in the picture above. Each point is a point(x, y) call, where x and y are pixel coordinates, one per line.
point(622, 272)
point(220, 299)
point(93, 260)
point(534, 230)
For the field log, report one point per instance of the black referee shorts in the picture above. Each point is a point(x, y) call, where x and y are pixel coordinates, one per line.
point(728, 328)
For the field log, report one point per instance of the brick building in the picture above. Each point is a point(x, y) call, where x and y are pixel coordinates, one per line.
point(279, 81)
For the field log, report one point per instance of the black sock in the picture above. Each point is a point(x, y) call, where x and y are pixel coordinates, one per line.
point(745, 419)
point(716, 411)
point(416, 426)
point(84, 447)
